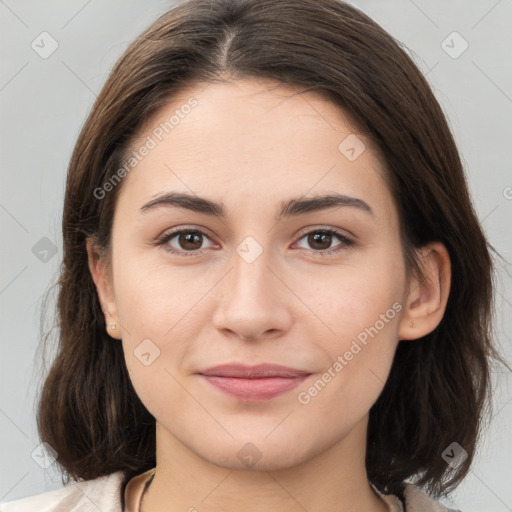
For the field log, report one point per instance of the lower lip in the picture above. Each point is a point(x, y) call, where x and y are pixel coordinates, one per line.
point(254, 389)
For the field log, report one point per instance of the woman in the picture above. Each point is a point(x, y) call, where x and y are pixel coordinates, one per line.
point(275, 293)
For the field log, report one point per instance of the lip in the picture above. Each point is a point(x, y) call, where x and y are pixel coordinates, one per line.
point(253, 372)
point(253, 383)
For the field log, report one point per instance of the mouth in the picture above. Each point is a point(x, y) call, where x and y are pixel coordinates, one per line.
point(253, 383)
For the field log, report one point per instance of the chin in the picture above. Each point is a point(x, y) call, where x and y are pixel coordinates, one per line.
point(259, 454)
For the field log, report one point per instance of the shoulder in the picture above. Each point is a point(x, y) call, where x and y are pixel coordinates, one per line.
point(101, 493)
point(417, 501)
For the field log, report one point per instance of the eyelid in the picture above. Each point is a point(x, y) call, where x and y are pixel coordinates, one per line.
point(325, 227)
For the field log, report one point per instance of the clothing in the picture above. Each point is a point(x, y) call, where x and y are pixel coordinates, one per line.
point(104, 493)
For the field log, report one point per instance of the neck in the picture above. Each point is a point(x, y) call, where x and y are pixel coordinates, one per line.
point(332, 481)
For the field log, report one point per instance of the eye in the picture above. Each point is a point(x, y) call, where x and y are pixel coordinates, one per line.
point(321, 239)
point(189, 241)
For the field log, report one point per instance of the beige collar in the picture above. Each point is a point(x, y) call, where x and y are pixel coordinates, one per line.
point(134, 490)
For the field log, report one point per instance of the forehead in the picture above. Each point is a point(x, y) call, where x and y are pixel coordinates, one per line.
point(250, 142)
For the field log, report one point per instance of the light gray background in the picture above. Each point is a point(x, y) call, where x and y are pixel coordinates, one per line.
point(45, 101)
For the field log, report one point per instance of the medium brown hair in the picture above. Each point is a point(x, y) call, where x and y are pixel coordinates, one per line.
point(438, 387)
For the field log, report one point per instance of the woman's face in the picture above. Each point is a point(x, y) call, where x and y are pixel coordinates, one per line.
point(255, 281)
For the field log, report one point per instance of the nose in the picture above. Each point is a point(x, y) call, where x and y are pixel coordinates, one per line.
point(254, 303)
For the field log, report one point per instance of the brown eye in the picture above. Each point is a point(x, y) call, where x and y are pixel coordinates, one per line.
point(320, 240)
point(190, 240)
point(184, 242)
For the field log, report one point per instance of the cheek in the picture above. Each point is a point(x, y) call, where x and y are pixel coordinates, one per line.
point(362, 308)
point(161, 313)
point(357, 362)
point(355, 296)
point(152, 298)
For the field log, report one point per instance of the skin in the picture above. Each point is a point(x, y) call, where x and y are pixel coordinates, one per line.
point(252, 145)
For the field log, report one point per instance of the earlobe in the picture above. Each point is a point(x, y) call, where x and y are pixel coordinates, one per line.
point(427, 298)
point(102, 280)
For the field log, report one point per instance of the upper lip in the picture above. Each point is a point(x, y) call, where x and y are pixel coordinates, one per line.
point(253, 372)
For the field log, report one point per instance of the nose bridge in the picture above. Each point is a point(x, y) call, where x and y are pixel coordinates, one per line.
point(251, 274)
point(253, 301)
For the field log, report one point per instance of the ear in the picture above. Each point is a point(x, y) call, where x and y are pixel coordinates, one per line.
point(426, 301)
point(102, 278)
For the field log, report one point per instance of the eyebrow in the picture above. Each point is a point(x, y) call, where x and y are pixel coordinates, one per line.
point(292, 207)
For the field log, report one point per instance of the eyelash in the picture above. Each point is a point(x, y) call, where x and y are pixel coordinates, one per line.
point(347, 242)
